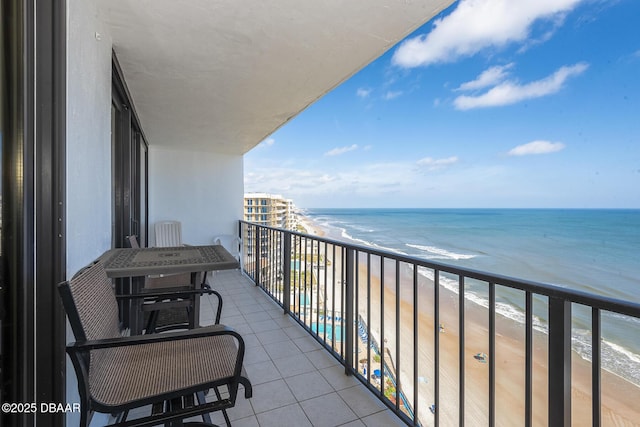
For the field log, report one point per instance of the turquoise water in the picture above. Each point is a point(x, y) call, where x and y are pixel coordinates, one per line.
point(596, 251)
point(304, 301)
point(320, 329)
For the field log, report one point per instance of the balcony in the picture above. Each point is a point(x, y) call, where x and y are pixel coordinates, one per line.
point(204, 105)
point(420, 355)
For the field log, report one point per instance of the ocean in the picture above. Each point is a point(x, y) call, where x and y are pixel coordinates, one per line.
point(596, 251)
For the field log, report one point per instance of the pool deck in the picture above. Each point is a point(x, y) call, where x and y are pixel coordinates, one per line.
point(296, 382)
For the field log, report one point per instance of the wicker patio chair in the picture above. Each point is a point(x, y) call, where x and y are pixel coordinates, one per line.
point(116, 374)
point(165, 314)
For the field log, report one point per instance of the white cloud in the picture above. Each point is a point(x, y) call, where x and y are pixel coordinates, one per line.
point(536, 147)
point(307, 186)
point(432, 164)
point(363, 93)
point(479, 24)
point(507, 93)
point(392, 94)
point(489, 77)
point(267, 142)
point(341, 150)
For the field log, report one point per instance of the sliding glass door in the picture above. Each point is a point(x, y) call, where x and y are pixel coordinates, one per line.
point(130, 160)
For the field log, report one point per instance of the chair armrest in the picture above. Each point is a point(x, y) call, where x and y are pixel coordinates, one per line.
point(208, 331)
point(179, 292)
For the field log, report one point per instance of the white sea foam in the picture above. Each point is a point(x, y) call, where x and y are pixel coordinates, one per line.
point(439, 253)
point(357, 240)
point(634, 358)
point(370, 244)
point(614, 358)
point(362, 229)
point(618, 316)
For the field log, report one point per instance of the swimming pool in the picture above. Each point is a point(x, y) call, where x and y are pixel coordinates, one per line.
point(319, 329)
point(305, 300)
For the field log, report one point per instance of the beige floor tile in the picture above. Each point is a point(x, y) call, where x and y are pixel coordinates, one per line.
point(276, 335)
point(306, 344)
point(336, 377)
point(291, 415)
point(294, 365)
point(281, 349)
point(361, 401)
point(264, 325)
point(255, 354)
point(309, 385)
point(383, 419)
point(327, 410)
point(272, 395)
point(262, 372)
point(322, 359)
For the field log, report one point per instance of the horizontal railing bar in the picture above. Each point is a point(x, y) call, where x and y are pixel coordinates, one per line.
point(601, 302)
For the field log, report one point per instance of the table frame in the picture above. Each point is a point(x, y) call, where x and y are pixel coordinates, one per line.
point(137, 263)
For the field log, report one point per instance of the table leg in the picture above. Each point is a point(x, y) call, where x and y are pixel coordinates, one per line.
point(136, 316)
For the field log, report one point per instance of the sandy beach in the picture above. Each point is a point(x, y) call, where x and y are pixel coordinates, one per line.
point(619, 397)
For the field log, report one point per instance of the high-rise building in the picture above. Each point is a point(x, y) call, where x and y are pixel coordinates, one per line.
point(272, 210)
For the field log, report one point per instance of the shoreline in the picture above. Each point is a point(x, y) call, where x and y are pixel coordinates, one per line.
point(618, 396)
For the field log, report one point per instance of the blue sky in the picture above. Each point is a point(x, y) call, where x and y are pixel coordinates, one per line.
point(494, 103)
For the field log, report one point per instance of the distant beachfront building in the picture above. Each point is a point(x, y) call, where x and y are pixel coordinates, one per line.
point(271, 210)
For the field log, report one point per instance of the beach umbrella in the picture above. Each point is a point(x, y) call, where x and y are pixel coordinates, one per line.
point(481, 357)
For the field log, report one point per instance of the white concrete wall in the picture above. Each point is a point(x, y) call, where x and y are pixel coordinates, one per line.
point(88, 210)
point(202, 190)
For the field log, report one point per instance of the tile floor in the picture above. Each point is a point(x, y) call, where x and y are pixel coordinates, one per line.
point(295, 381)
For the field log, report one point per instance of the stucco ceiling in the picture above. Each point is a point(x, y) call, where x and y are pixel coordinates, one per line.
point(221, 75)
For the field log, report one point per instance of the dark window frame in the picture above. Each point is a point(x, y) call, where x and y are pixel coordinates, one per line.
point(130, 158)
point(33, 190)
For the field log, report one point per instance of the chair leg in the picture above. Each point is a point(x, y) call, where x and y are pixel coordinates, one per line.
point(151, 323)
point(219, 310)
point(201, 400)
point(224, 411)
point(121, 417)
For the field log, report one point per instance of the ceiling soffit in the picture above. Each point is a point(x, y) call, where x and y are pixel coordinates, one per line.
point(223, 75)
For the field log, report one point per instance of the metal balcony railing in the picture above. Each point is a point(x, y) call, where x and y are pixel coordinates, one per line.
point(381, 315)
